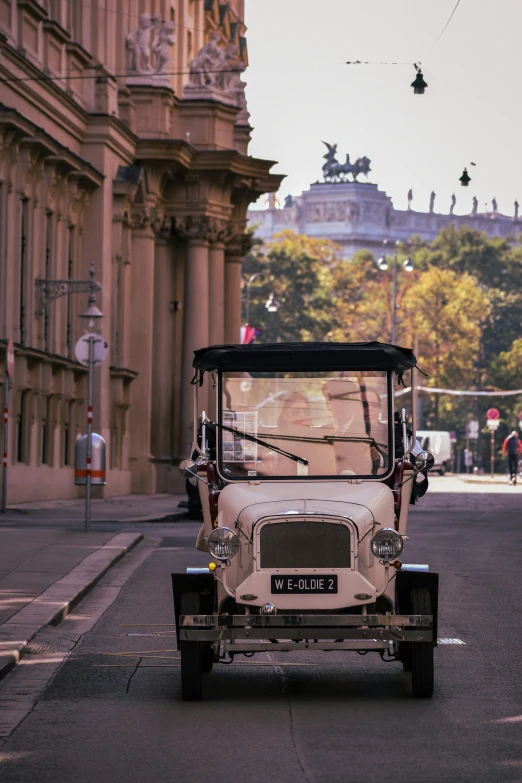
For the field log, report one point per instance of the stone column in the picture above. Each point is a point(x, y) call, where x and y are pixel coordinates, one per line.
point(233, 264)
point(216, 306)
point(141, 352)
point(163, 356)
point(196, 319)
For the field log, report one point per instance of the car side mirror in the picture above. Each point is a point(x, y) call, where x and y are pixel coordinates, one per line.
point(188, 469)
point(424, 460)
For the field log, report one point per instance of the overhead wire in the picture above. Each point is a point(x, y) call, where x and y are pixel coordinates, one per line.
point(46, 78)
point(369, 62)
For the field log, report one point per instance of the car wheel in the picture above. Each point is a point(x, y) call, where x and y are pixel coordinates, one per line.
point(191, 654)
point(207, 658)
point(422, 678)
point(442, 470)
point(406, 655)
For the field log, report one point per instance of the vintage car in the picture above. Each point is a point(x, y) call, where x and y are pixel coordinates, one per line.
point(305, 478)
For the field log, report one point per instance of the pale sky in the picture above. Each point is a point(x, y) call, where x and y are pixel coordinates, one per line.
point(300, 93)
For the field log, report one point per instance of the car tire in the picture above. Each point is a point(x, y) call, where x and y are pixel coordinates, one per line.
point(406, 655)
point(422, 673)
point(442, 469)
point(191, 654)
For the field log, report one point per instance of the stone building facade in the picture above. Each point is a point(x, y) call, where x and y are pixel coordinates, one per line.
point(123, 143)
point(357, 215)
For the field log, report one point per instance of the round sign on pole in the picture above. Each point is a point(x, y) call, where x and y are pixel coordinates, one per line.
point(493, 414)
point(520, 416)
point(100, 349)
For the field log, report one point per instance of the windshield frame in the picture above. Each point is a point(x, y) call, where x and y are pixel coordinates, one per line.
point(310, 477)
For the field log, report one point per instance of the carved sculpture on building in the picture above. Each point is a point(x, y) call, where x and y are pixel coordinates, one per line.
point(475, 206)
point(432, 200)
point(517, 207)
point(140, 50)
point(333, 171)
point(494, 205)
point(163, 40)
point(215, 73)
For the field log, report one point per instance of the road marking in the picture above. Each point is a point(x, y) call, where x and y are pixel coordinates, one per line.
point(450, 641)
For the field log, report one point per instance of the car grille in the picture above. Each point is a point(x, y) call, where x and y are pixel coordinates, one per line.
point(305, 544)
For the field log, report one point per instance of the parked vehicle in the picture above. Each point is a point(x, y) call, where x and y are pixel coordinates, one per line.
point(305, 517)
point(439, 444)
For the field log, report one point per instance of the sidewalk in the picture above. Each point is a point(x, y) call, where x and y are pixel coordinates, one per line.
point(125, 509)
point(48, 563)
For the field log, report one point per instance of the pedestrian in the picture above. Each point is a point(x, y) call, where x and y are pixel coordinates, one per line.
point(512, 447)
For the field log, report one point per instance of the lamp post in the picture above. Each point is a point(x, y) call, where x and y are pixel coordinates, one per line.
point(91, 317)
point(248, 283)
point(383, 265)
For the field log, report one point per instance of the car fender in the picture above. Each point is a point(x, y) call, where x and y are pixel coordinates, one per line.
point(406, 580)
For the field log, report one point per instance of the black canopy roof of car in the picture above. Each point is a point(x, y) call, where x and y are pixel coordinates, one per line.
point(303, 357)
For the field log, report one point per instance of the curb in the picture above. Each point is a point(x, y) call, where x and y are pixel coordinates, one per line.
point(171, 516)
point(59, 599)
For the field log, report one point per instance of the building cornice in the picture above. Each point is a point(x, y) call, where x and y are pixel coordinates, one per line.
point(32, 134)
point(112, 132)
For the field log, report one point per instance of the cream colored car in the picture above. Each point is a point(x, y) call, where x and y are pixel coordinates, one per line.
point(305, 480)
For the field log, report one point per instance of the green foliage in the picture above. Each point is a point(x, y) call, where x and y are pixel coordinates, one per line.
point(461, 310)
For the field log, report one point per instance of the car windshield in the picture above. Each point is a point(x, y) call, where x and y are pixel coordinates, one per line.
point(300, 424)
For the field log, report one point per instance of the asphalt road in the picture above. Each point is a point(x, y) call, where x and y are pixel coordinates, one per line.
point(113, 710)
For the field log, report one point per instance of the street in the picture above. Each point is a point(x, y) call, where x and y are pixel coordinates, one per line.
point(112, 711)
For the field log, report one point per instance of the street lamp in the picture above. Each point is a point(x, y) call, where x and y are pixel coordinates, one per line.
point(419, 85)
point(248, 283)
point(383, 265)
point(91, 318)
point(272, 304)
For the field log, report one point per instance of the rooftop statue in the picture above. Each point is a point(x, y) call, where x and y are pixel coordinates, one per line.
point(333, 171)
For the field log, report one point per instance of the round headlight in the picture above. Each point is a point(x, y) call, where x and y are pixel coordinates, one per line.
point(223, 543)
point(387, 544)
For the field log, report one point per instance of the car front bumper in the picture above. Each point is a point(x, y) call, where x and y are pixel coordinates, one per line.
point(326, 632)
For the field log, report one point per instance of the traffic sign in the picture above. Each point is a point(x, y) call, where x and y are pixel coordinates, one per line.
point(493, 424)
point(100, 349)
point(520, 416)
point(493, 414)
point(10, 359)
point(472, 429)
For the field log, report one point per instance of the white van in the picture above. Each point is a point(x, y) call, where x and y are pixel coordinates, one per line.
point(439, 444)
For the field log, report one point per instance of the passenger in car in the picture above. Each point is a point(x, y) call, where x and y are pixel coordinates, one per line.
point(350, 429)
point(296, 434)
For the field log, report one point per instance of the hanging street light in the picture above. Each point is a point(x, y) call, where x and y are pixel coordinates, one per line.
point(465, 179)
point(418, 84)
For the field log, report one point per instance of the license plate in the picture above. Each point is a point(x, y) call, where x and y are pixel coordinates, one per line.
point(301, 585)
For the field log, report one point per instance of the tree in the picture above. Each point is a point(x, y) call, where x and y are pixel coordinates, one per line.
point(297, 272)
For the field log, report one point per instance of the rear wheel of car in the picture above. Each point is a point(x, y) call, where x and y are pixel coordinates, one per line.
point(442, 469)
point(191, 654)
point(422, 678)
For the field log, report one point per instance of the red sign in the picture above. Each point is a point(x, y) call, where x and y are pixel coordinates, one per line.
point(520, 416)
point(493, 414)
